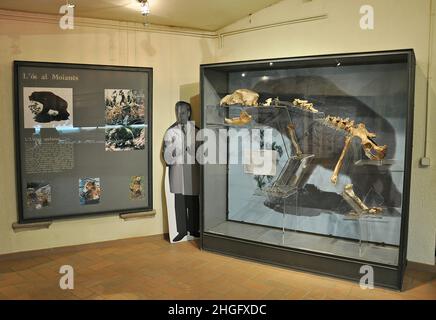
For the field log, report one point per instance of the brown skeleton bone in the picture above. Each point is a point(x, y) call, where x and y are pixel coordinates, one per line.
point(371, 149)
point(305, 105)
point(244, 97)
point(244, 118)
point(334, 178)
point(293, 136)
point(356, 203)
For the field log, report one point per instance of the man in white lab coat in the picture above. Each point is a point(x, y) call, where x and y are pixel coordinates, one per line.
point(184, 172)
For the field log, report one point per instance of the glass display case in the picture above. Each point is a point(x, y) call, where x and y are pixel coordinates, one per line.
point(312, 164)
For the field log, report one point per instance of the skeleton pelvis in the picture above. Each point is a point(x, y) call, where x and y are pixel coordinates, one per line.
point(373, 151)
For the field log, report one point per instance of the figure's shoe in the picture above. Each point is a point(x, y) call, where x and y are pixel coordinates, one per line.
point(179, 237)
point(195, 234)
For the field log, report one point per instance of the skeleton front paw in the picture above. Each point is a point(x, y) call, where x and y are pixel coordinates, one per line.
point(375, 211)
point(334, 179)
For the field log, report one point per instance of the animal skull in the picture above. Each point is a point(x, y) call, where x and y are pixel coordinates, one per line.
point(244, 97)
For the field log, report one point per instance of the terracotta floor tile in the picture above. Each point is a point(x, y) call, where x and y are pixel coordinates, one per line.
point(426, 291)
point(277, 294)
point(241, 293)
point(316, 294)
point(152, 268)
point(10, 278)
point(297, 294)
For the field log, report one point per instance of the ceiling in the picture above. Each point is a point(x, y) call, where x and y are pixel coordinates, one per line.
point(208, 15)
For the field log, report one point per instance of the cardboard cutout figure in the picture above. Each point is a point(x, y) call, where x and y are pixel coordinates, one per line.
point(179, 151)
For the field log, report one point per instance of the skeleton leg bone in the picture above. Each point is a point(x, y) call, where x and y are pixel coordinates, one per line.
point(356, 203)
point(293, 136)
point(334, 178)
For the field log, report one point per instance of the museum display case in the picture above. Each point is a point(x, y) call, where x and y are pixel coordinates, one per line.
point(312, 167)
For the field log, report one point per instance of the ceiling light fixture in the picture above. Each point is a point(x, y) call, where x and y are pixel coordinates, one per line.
point(145, 7)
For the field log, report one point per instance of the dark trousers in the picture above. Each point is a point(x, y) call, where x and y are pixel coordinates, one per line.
point(187, 214)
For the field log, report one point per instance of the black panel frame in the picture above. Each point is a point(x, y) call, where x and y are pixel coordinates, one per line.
point(18, 156)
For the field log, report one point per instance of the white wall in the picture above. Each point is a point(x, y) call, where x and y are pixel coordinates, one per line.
point(399, 24)
point(175, 59)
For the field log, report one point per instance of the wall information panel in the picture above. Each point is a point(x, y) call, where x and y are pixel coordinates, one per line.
point(83, 139)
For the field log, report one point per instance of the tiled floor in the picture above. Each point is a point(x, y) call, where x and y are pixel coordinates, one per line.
point(151, 268)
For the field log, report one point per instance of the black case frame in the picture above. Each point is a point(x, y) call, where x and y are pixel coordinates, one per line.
point(327, 264)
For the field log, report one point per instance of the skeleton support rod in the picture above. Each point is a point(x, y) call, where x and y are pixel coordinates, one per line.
point(334, 178)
